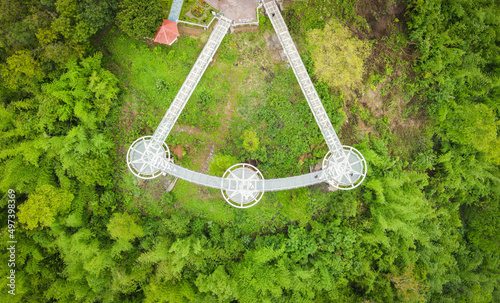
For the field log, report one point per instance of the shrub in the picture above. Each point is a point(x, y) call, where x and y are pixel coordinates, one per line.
point(140, 18)
point(338, 56)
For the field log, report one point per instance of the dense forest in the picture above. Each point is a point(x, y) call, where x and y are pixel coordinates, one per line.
point(413, 84)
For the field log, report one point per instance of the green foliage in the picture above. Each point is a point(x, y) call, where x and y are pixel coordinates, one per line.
point(178, 224)
point(85, 92)
point(250, 141)
point(265, 23)
point(51, 33)
point(228, 51)
point(458, 66)
point(408, 286)
point(123, 226)
point(286, 124)
point(338, 56)
point(422, 227)
point(43, 206)
point(314, 14)
point(97, 14)
point(295, 205)
point(220, 163)
point(484, 222)
point(22, 70)
point(139, 19)
point(464, 51)
point(474, 125)
point(62, 139)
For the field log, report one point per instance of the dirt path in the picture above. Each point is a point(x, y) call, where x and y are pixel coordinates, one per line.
point(190, 31)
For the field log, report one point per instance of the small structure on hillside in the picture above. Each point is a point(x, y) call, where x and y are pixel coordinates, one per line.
point(167, 32)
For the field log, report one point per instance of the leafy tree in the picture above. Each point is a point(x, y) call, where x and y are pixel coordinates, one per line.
point(462, 59)
point(79, 20)
point(85, 92)
point(474, 125)
point(96, 14)
point(409, 287)
point(338, 56)
point(220, 163)
point(250, 140)
point(124, 226)
point(43, 205)
point(52, 31)
point(54, 136)
point(22, 70)
point(219, 283)
point(16, 32)
point(139, 19)
point(484, 222)
point(178, 223)
point(295, 205)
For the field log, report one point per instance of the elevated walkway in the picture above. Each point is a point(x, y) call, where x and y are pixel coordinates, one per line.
point(303, 78)
point(189, 85)
point(225, 184)
point(243, 185)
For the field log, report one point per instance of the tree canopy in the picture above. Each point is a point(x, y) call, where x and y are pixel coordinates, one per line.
point(338, 55)
point(139, 19)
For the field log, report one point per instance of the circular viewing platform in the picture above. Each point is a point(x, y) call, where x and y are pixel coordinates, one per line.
point(243, 190)
point(139, 161)
point(345, 172)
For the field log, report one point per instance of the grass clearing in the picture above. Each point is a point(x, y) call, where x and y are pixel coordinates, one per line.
point(226, 97)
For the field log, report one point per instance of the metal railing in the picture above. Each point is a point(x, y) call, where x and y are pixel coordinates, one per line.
point(304, 80)
point(187, 88)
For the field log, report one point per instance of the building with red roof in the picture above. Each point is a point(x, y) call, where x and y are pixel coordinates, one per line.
point(167, 32)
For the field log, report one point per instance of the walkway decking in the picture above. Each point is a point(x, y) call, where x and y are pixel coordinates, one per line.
point(326, 127)
point(224, 184)
point(187, 88)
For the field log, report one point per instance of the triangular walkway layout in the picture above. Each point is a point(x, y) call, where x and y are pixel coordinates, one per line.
point(243, 185)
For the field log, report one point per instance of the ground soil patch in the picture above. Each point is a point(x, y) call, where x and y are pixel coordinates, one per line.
point(190, 31)
point(382, 15)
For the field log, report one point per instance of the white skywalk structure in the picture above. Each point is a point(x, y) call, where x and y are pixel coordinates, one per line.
point(243, 185)
point(344, 165)
point(155, 146)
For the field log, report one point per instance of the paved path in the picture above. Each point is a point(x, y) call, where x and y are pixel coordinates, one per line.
point(175, 10)
point(241, 11)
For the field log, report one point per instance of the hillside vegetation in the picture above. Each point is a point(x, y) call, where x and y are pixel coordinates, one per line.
point(414, 85)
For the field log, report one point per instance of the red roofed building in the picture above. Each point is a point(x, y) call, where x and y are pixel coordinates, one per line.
point(167, 32)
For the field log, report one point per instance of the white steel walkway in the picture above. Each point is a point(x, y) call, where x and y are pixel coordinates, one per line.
point(342, 162)
point(242, 185)
point(189, 85)
point(225, 184)
point(304, 80)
